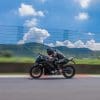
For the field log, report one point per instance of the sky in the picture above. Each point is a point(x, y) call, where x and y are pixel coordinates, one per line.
point(47, 20)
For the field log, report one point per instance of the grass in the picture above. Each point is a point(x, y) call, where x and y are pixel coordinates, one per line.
point(88, 61)
point(31, 60)
point(16, 60)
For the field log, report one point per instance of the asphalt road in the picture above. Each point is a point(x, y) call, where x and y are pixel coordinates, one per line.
point(87, 88)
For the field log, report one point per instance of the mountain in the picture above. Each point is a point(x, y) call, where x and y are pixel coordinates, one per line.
point(25, 50)
point(32, 50)
point(76, 52)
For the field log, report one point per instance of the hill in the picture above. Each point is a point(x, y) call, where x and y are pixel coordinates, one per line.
point(32, 50)
point(24, 50)
point(76, 52)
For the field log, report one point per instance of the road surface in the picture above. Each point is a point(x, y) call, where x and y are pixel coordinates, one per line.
point(51, 88)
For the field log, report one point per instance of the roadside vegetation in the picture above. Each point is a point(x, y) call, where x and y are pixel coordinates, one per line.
point(90, 61)
point(16, 60)
point(31, 60)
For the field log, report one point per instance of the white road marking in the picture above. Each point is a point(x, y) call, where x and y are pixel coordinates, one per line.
point(54, 76)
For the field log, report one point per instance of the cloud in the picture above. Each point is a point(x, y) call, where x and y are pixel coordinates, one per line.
point(68, 44)
point(90, 34)
point(82, 16)
point(31, 23)
point(91, 44)
point(84, 3)
point(65, 43)
point(96, 47)
point(43, 1)
point(59, 43)
point(28, 10)
point(35, 35)
point(79, 44)
point(50, 44)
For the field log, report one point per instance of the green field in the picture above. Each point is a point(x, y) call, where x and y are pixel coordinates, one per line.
point(16, 60)
point(88, 61)
point(31, 60)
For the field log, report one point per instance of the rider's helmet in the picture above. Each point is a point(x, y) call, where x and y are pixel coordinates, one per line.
point(50, 51)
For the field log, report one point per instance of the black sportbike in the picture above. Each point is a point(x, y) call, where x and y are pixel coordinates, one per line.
point(44, 66)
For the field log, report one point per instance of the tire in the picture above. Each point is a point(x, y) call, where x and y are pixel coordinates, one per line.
point(68, 71)
point(36, 72)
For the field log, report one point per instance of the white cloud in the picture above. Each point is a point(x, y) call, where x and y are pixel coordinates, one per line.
point(21, 42)
point(68, 44)
point(91, 44)
point(82, 16)
point(84, 3)
point(40, 13)
point(79, 44)
point(59, 43)
point(43, 1)
point(28, 10)
point(62, 43)
point(50, 44)
point(96, 47)
point(35, 35)
point(91, 34)
point(31, 23)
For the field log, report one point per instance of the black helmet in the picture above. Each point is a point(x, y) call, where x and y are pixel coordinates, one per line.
point(50, 51)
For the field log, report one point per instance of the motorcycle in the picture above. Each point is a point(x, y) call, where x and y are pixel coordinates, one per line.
point(42, 66)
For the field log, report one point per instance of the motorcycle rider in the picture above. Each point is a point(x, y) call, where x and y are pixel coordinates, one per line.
point(52, 53)
point(54, 56)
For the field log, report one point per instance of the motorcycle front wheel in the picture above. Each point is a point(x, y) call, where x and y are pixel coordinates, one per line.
point(68, 71)
point(36, 72)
